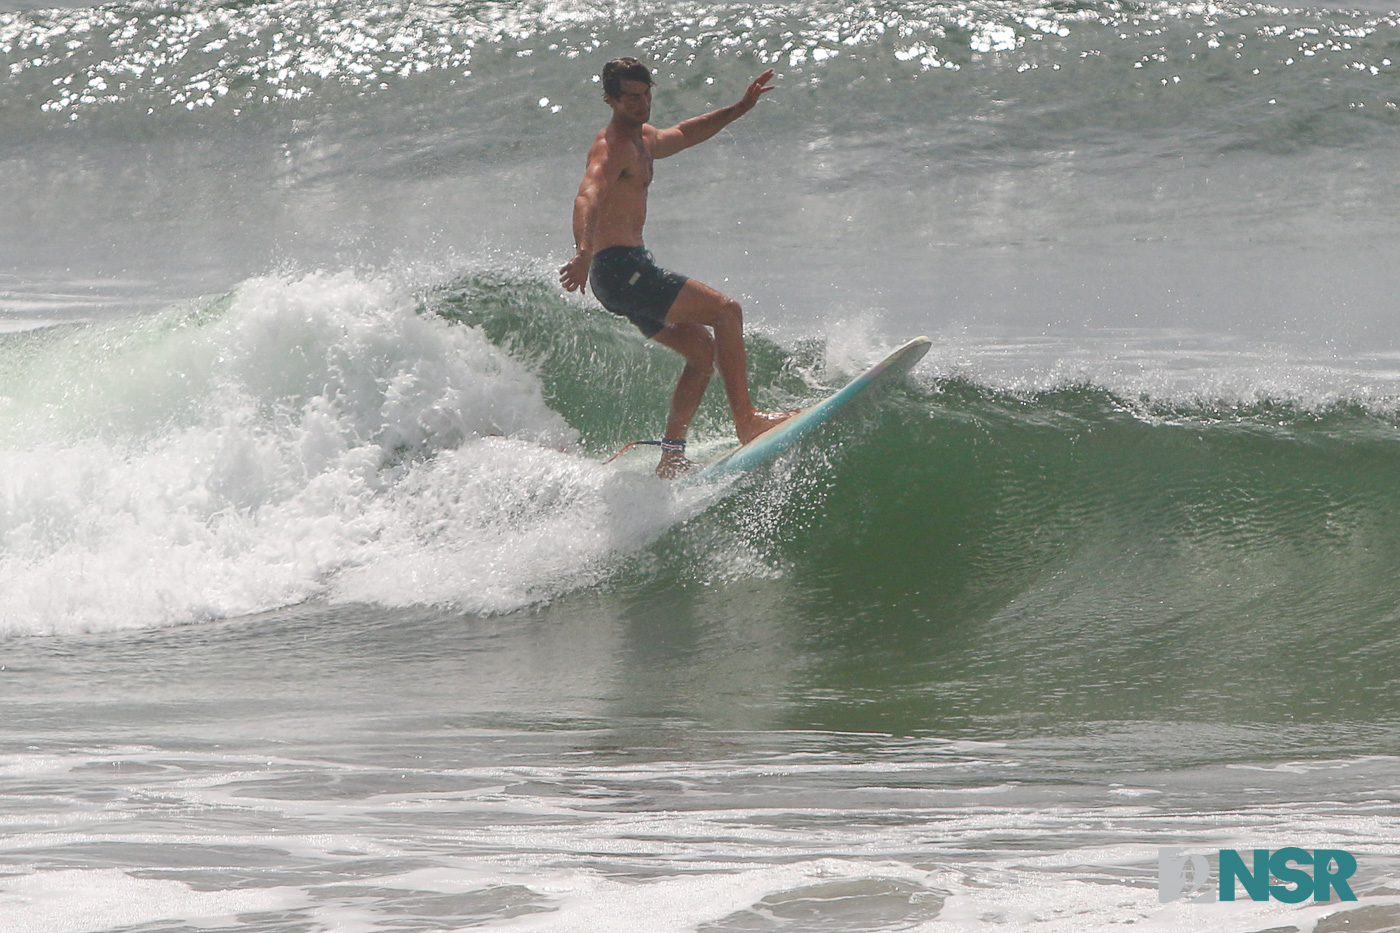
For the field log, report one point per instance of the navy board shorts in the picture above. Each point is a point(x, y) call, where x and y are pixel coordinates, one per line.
point(628, 282)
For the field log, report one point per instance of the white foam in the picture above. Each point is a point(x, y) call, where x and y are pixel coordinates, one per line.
point(587, 901)
point(107, 899)
point(306, 437)
point(499, 523)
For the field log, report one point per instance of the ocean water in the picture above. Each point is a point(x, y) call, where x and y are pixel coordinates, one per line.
point(320, 610)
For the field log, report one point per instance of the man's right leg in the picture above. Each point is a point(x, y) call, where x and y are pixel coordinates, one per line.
point(702, 305)
point(697, 346)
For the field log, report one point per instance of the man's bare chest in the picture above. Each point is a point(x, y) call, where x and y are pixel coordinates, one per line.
point(637, 170)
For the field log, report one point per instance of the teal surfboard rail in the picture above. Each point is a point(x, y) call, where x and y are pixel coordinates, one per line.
point(768, 445)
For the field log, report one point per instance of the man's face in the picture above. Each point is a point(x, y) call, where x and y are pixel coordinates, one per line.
point(634, 103)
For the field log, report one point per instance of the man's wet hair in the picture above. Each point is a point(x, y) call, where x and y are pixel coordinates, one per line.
point(623, 69)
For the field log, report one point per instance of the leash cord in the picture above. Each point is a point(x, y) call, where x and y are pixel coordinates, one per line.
point(629, 447)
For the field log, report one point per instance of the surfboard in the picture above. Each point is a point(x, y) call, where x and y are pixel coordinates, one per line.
point(770, 444)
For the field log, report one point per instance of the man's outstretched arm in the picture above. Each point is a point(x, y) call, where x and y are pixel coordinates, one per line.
point(698, 129)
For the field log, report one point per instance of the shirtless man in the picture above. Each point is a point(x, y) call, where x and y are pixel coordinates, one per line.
point(673, 310)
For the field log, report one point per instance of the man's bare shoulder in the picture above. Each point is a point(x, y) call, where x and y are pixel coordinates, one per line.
point(611, 138)
point(607, 146)
point(601, 147)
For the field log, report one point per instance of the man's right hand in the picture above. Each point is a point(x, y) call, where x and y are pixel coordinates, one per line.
point(573, 275)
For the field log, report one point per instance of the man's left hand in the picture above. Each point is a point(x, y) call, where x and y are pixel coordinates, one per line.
point(759, 87)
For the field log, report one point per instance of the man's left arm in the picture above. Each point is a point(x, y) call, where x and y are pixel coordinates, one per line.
point(698, 129)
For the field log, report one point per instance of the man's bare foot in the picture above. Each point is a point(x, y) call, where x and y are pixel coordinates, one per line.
point(760, 421)
point(673, 464)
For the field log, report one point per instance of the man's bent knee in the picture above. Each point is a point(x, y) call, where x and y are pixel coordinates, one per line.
point(700, 304)
point(730, 311)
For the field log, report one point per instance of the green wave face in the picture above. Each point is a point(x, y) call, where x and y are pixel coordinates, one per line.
point(960, 551)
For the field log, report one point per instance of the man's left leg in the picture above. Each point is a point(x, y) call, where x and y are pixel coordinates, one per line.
point(698, 304)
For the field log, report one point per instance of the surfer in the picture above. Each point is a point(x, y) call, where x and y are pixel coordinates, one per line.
point(675, 311)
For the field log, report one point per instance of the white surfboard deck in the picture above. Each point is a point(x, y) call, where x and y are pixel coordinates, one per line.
point(770, 444)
